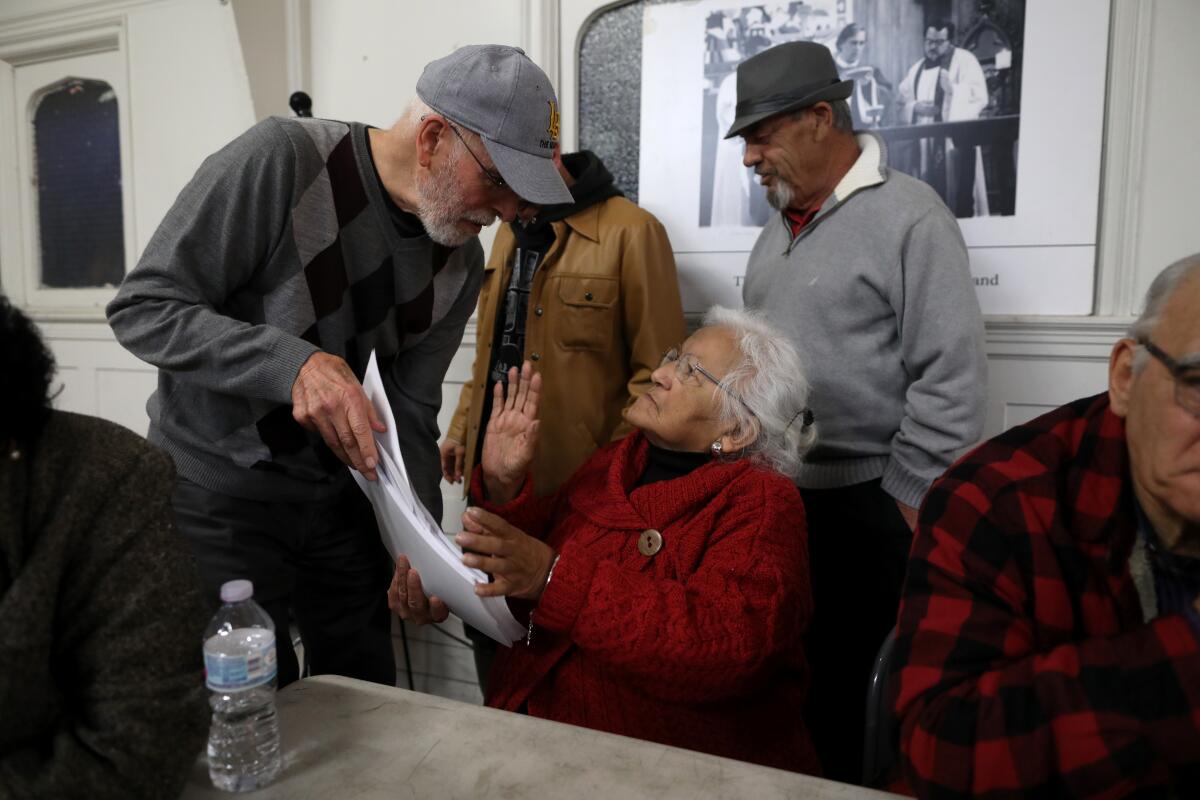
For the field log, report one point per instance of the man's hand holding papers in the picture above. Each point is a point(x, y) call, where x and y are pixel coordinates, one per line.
point(407, 600)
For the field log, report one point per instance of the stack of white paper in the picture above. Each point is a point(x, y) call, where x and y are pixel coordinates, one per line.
point(407, 527)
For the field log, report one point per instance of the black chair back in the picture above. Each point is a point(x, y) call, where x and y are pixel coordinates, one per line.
point(880, 746)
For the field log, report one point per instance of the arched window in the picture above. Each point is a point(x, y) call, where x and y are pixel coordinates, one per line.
point(610, 91)
point(77, 175)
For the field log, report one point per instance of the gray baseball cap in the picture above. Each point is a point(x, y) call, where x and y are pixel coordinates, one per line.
point(499, 93)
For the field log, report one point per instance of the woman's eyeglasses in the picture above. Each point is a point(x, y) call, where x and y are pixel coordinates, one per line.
point(685, 366)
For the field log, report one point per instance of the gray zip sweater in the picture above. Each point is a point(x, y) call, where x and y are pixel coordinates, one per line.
point(283, 244)
point(877, 295)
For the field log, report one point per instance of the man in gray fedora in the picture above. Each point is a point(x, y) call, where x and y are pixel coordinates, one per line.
point(294, 253)
point(866, 270)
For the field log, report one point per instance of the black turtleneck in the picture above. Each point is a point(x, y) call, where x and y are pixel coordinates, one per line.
point(663, 465)
point(407, 225)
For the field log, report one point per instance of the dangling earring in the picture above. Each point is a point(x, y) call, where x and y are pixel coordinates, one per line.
point(716, 448)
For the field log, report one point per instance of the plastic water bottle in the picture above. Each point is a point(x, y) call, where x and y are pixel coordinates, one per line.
point(239, 658)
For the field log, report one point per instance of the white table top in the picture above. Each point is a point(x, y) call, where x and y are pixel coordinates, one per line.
point(343, 738)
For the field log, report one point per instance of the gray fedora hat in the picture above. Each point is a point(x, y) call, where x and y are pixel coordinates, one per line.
point(788, 77)
point(498, 92)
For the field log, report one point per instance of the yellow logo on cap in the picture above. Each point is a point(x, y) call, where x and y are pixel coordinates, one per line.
point(553, 129)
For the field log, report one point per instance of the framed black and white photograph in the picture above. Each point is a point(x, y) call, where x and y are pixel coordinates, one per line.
point(978, 98)
point(729, 193)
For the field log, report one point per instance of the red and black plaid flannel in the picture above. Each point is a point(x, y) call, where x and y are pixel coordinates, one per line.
point(1024, 666)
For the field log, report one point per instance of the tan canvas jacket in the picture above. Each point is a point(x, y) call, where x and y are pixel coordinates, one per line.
point(603, 308)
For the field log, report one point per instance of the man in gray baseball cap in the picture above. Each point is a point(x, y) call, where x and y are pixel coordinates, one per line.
point(866, 270)
point(294, 254)
point(507, 100)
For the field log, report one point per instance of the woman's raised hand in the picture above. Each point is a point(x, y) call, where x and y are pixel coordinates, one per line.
point(512, 432)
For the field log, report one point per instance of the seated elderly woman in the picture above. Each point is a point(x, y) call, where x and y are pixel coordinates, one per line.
point(666, 582)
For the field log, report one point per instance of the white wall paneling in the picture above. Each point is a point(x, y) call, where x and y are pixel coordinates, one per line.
point(97, 375)
point(1034, 367)
point(12, 226)
point(1124, 157)
point(1168, 165)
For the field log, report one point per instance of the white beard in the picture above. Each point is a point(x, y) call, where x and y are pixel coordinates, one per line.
point(443, 208)
point(779, 194)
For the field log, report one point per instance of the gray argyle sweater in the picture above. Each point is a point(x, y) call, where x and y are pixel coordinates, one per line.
point(280, 245)
point(876, 294)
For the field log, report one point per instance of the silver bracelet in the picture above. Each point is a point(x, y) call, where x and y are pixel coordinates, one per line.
point(549, 575)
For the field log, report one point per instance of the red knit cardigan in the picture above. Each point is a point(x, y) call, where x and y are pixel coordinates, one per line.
point(698, 646)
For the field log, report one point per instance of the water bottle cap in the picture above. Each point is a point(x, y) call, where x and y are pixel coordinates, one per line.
point(236, 591)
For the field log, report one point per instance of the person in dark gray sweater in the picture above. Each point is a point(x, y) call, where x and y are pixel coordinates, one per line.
point(294, 253)
point(866, 271)
point(101, 620)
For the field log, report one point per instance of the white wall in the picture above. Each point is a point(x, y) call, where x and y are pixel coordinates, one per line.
point(367, 54)
point(262, 28)
point(1168, 224)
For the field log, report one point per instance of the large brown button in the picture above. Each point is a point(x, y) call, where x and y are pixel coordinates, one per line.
point(650, 542)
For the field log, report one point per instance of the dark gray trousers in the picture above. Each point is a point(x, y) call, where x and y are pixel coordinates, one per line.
point(321, 562)
point(858, 547)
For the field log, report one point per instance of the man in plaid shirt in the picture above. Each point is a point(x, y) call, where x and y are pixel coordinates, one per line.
point(1049, 640)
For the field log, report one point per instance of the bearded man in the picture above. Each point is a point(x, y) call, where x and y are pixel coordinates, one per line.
point(294, 252)
point(866, 270)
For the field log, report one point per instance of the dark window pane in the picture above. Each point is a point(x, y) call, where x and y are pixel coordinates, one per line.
point(77, 157)
point(610, 91)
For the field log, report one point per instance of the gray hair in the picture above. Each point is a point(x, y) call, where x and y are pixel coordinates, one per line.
point(1160, 291)
point(770, 380)
point(417, 110)
point(841, 121)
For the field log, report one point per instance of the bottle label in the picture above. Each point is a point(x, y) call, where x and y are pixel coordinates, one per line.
point(242, 659)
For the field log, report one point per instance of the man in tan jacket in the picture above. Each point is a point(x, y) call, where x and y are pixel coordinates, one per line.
point(587, 292)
